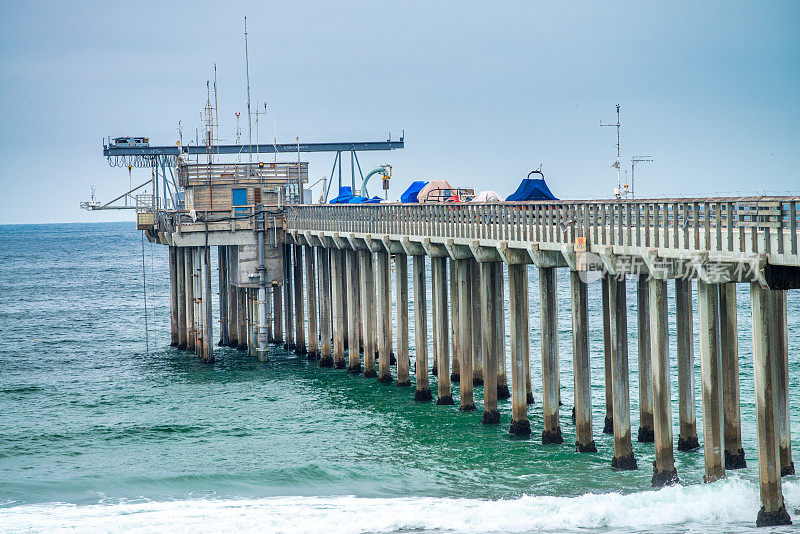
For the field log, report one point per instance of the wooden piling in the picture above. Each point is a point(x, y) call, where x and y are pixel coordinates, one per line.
point(173, 297)
point(489, 339)
point(734, 454)
point(608, 422)
point(773, 510)
point(180, 281)
point(646, 434)
point(299, 314)
point(684, 328)
point(353, 310)
point(311, 303)
point(439, 271)
point(580, 363)
point(548, 307)
point(711, 376)
point(324, 264)
point(367, 275)
point(477, 330)
point(518, 324)
point(384, 317)
point(623, 450)
point(423, 391)
point(401, 299)
point(463, 276)
point(664, 472)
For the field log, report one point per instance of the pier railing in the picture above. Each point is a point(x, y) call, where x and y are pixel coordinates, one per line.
point(723, 226)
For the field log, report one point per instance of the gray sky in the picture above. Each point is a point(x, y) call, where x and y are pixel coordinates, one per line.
point(484, 93)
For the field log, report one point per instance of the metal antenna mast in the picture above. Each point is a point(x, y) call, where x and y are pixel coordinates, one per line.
point(247, 72)
point(618, 190)
point(634, 161)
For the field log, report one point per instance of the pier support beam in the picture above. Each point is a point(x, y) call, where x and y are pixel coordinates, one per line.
point(623, 450)
point(684, 328)
point(455, 337)
point(520, 345)
point(500, 327)
point(233, 325)
point(288, 310)
point(549, 316)
point(243, 316)
point(463, 276)
point(489, 340)
point(369, 325)
point(311, 304)
point(401, 297)
point(477, 329)
point(197, 280)
point(173, 297)
point(208, 328)
point(608, 422)
point(337, 301)
point(181, 297)
point(711, 376)
point(277, 316)
point(384, 296)
point(299, 322)
point(580, 363)
point(765, 368)
point(353, 312)
point(222, 264)
point(188, 270)
point(423, 392)
point(729, 345)
point(324, 263)
point(646, 434)
point(439, 271)
point(782, 381)
point(664, 472)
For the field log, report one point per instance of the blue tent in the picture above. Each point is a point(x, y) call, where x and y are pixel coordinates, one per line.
point(410, 194)
point(345, 194)
point(532, 189)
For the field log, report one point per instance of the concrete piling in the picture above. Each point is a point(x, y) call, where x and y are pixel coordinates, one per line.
point(463, 276)
point(646, 434)
point(765, 367)
point(423, 391)
point(311, 303)
point(439, 288)
point(781, 343)
point(208, 328)
point(222, 264)
point(243, 316)
point(299, 314)
point(684, 328)
point(734, 454)
point(288, 292)
point(608, 422)
point(173, 297)
point(384, 316)
point(664, 472)
point(489, 340)
point(584, 441)
point(277, 315)
point(623, 450)
point(180, 280)
point(500, 328)
point(369, 325)
point(549, 318)
point(711, 377)
point(353, 311)
point(188, 262)
point(455, 337)
point(477, 330)
point(401, 298)
point(324, 263)
point(520, 343)
point(233, 330)
point(337, 302)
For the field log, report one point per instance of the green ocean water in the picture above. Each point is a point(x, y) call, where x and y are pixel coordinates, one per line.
point(101, 430)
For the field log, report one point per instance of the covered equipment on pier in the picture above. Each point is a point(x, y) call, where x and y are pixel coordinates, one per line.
point(435, 191)
point(532, 189)
point(410, 194)
point(487, 196)
point(345, 195)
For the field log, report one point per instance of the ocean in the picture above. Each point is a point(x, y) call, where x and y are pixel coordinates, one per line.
point(105, 427)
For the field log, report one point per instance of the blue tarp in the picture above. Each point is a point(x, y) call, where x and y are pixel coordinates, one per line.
point(345, 194)
point(364, 200)
point(410, 194)
point(532, 189)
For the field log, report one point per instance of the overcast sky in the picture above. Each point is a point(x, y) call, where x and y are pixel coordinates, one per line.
point(484, 93)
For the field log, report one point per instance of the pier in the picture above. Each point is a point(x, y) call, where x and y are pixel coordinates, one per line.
point(316, 279)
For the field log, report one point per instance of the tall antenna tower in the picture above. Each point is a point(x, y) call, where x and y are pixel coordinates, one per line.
point(208, 119)
point(618, 190)
point(247, 73)
point(216, 109)
point(238, 137)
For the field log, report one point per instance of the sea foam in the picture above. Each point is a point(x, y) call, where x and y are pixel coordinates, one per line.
point(729, 505)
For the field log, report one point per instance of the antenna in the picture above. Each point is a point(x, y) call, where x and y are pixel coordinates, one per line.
point(617, 191)
point(634, 161)
point(238, 136)
point(247, 72)
point(216, 106)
